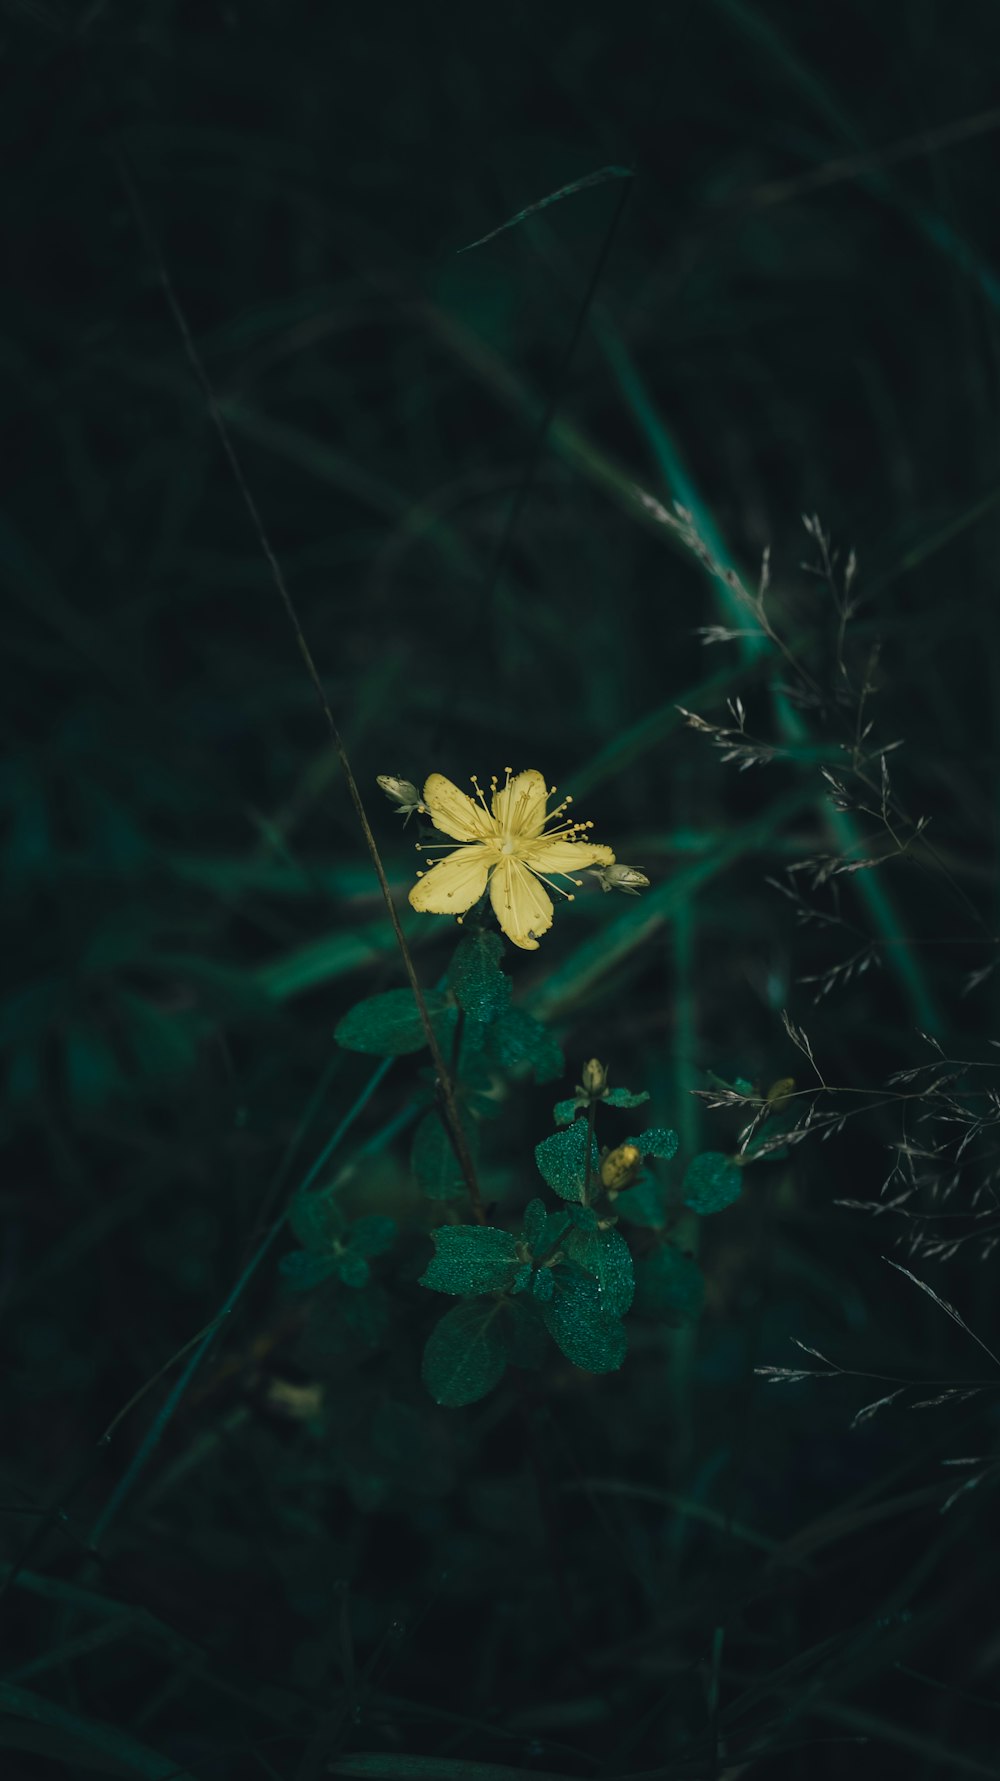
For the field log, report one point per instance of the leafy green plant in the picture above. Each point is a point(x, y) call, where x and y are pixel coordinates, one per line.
point(567, 1273)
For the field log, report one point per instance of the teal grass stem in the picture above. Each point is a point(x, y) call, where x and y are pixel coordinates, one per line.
point(684, 1341)
point(154, 1434)
point(840, 824)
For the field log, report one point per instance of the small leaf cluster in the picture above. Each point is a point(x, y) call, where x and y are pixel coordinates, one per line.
point(562, 1276)
point(594, 1091)
point(570, 1274)
point(330, 1247)
point(496, 1034)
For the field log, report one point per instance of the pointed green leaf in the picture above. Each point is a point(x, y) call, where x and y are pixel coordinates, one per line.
point(623, 1097)
point(669, 1286)
point(644, 1203)
point(303, 1271)
point(712, 1182)
point(605, 1255)
point(433, 1159)
point(562, 1160)
point(466, 1354)
point(389, 1025)
point(564, 1112)
point(657, 1141)
point(547, 1229)
point(518, 1043)
point(476, 1084)
point(542, 1285)
point(471, 1258)
point(587, 1334)
point(354, 1270)
point(314, 1221)
point(475, 978)
point(535, 1220)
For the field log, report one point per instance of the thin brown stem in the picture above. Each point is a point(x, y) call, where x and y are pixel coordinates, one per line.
point(277, 575)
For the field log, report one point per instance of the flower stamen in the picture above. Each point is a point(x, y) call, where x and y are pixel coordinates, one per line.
point(510, 846)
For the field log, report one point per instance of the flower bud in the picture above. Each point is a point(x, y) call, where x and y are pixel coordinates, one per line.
point(780, 1093)
point(400, 792)
point(619, 1167)
point(300, 1403)
point(623, 878)
point(595, 1078)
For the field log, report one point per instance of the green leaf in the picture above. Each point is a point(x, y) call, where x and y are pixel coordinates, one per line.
point(577, 1320)
point(471, 1258)
point(543, 1285)
point(623, 1097)
point(466, 1354)
point(523, 1278)
point(564, 1112)
point(562, 1160)
point(657, 1141)
point(92, 1072)
point(542, 1230)
point(163, 1045)
point(535, 1221)
point(303, 1270)
point(315, 1221)
point(354, 1270)
point(372, 1235)
point(518, 1043)
point(476, 1082)
point(433, 1159)
point(390, 1026)
point(475, 978)
point(712, 1182)
point(644, 1203)
point(72, 1738)
point(669, 1286)
point(605, 1255)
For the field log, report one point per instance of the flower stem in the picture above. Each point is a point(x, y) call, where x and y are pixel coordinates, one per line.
point(591, 1122)
point(284, 594)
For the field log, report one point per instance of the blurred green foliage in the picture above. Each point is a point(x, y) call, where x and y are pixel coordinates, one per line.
point(329, 1525)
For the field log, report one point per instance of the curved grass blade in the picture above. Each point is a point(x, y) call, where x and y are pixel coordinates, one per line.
point(568, 191)
point(65, 1735)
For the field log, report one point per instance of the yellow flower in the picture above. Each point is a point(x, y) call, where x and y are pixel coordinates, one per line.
point(507, 845)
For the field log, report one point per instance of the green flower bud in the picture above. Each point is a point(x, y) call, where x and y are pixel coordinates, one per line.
point(402, 793)
point(623, 878)
point(595, 1077)
point(620, 1167)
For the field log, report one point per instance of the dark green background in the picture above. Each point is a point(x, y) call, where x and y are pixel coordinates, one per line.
point(787, 319)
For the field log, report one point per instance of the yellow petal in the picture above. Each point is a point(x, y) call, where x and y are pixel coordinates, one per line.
point(554, 854)
point(454, 884)
point(521, 905)
point(453, 812)
point(520, 806)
